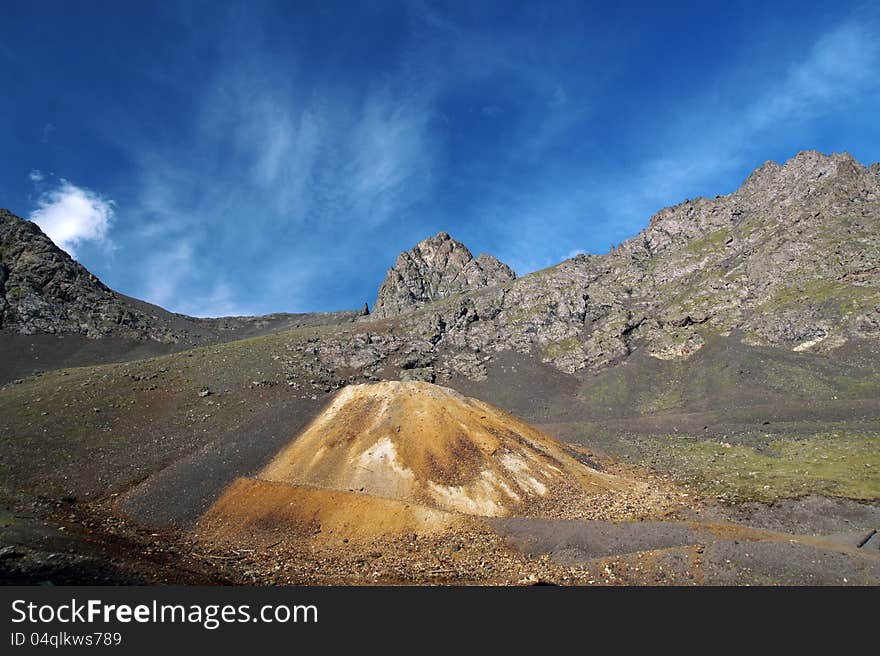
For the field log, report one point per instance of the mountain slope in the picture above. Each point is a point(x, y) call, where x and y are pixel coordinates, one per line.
point(44, 290)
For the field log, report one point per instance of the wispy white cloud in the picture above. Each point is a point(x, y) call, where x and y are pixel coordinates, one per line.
point(274, 166)
point(72, 215)
point(220, 301)
point(165, 271)
point(838, 69)
point(176, 279)
point(36, 175)
point(314, 151)
point(389, 163)
point(841, 65)
point(47, 131)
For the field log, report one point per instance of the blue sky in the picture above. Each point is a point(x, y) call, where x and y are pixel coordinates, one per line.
point(225, 158)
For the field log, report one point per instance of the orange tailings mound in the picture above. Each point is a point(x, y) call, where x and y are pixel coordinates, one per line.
point(423, 443)
point(395, 456)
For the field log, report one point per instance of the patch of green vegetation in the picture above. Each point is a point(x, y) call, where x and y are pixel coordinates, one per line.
point(793, 379)
point(858, 388)
point(527, 313)
point(752, 224)
point(667, 399)
point(446, 301)
point(609, 390)
point(7, 517)
point(694, 291)
point(711, 242)
point(846, 297)
point(16, 292)
point(540, 273)
point(555, 349)
point(844, 464)
point(614, 326)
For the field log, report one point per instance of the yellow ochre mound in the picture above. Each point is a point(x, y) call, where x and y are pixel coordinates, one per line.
point(250, 508)
point(420, 443)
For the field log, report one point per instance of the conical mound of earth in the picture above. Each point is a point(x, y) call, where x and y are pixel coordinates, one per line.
point(404, 458)
point(421, 443)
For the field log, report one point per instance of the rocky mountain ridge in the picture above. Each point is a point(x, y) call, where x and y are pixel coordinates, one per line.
point(791, 260)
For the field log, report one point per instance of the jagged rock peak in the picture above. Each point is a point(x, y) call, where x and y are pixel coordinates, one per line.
point(806, 165)
point(435, 268)
point(809, 178)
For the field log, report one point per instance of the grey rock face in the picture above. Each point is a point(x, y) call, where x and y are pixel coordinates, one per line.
point(789, 258)
point(43, 290)
point(436, 268)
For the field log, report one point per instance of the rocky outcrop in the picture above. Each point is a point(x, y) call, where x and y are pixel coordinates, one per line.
point(44, 290)
point(790, 257)
point(436, 268)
